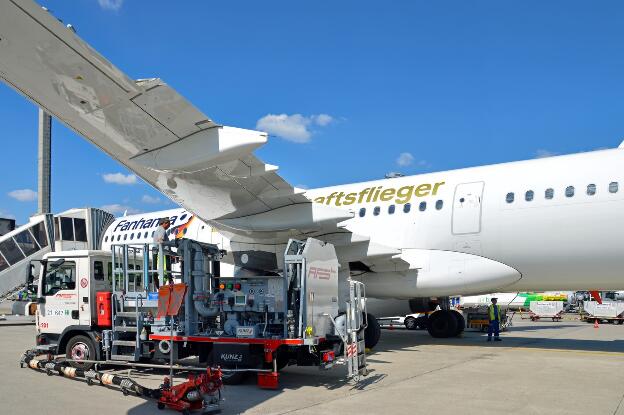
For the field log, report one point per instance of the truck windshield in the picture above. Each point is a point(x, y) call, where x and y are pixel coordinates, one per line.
point(59, 278)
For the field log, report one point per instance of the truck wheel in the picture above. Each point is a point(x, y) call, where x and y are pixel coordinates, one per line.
point(372, 332)
point(410, 323)
point(80, 348)
point(442, 324)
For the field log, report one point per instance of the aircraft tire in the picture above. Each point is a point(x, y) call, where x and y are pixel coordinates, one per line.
point(372, 332)
point(442, 324)
point(461, 323)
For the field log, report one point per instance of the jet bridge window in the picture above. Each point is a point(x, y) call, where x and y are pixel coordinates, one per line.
point(80, 227)
point(510, 197)
point(528, 196)
point(423, 206)
point(549, 193)
point(569, 192)
point(407, 207)
point(376, 211)
point(39, 232)
point(10, 251)
point(391, 209)
point(3, 264)
point(26, 242)
point(613, 187)
point(362, 213)
point(591, 189)
point(439, 204)
point(67, 229)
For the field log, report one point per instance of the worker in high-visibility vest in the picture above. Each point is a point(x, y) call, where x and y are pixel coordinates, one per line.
point(494, 314)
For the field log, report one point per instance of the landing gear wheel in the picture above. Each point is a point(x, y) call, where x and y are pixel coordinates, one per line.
point(442, 324)
point(410, 323)
point(372, 332)
point(161, 406)
point(461, 323)
point(80, 348)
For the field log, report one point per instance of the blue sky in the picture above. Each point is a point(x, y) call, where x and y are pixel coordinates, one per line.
point(350, 90)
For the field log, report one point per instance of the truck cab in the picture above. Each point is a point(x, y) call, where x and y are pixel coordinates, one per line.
point(66, 311)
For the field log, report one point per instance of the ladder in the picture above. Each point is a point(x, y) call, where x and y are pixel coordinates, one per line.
point(354, 348)
point(126, 329)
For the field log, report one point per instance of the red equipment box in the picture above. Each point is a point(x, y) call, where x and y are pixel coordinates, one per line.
point(103, 303)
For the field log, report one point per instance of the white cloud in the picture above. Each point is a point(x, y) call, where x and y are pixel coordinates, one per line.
point(120, 178)
point(542, 153)
point(405, 159)
point(323, 119)
point(119, 209)
point(23, 195)
point(294, 127)
point(150, 199)
point(111, 4)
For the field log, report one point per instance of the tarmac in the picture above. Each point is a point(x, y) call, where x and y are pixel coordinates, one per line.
point(568, 367)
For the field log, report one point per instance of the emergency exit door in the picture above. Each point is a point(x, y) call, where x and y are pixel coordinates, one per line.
point(467, 208)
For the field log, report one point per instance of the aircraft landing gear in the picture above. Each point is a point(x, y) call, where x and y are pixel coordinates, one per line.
point(372, 332)
point(445, 323)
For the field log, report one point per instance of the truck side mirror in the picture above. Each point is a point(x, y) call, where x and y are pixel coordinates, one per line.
point(30, 270)
point(41, 300)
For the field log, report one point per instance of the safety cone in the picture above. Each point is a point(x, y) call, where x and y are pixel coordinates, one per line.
point(596, 324)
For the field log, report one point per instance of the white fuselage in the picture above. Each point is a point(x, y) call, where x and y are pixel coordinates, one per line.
point(469, 238)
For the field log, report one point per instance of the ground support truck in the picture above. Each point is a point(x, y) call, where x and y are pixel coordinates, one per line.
point(102, 306)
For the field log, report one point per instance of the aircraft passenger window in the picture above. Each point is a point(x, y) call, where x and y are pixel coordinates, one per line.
point(376, 210)
point(613, 187)
point(125, 237)
point(362, 212)
point(422, 206)
point(391, 209)
point(183, 217)
point(118, 238)
point(98, 270)
point(510, 197)
point(153, 233)
point(106, 239)
point(591, 189)
point(132, 236)
point(549, 193)
point(439, 204)
point(528, 196)
point(38, 230)
point(80, 227)
point(569, 192)
point(145, 236)
point(407, 207)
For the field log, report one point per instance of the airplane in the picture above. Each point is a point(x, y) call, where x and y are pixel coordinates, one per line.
point(543, 224)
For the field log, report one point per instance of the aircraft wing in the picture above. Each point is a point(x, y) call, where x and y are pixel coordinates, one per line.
point(207, 168)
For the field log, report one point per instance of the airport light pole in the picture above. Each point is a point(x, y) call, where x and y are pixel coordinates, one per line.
point(44, 161)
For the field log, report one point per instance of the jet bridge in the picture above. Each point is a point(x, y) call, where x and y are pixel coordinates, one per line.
point(26, 245)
